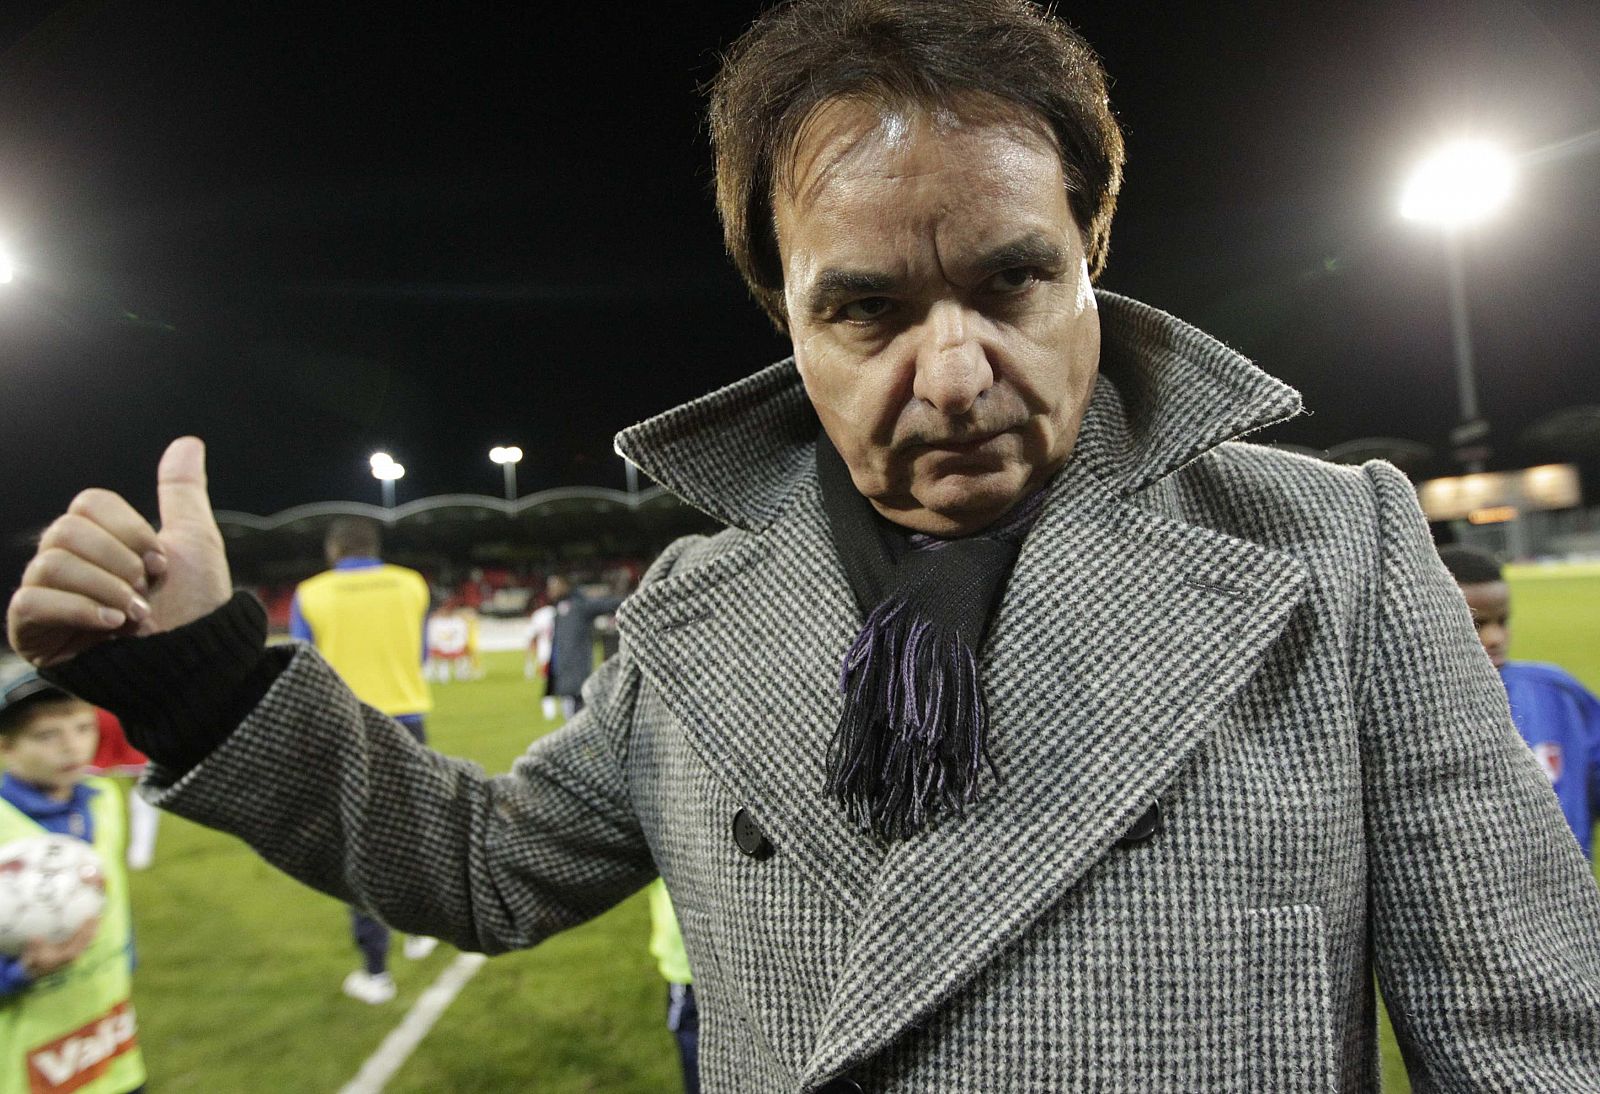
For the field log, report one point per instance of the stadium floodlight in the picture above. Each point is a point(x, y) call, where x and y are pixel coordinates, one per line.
point(508, 457)
point(1460, 184)
point(386, 471)
point(8, 269)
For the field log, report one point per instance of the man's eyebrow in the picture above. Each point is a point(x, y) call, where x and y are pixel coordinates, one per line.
point(1033, 249)
point(833, 285)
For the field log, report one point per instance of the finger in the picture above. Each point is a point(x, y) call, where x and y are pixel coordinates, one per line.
point(181, 484)
point(116, 516)
point(59, 569)
point(92, 543)
point(37, 611)
point(83, 935)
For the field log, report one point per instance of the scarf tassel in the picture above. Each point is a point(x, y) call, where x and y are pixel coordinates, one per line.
point(912, 741)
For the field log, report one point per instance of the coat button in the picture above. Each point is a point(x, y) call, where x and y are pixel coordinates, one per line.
point(840, 1086)
point(749, 836)
point(1149, 824)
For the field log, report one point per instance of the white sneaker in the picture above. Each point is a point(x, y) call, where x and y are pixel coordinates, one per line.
point(419, 946)
point(368, 988)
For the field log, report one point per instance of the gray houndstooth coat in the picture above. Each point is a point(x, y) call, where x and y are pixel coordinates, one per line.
point(1265, 645)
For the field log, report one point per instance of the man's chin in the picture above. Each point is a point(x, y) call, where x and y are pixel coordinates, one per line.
point(962, 504)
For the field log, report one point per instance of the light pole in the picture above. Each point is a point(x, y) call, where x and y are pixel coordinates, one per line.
point(1456, 187)
point(508, 458)
point(386, 471)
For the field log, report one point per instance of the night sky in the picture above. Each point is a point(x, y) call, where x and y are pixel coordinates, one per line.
point(308, 232)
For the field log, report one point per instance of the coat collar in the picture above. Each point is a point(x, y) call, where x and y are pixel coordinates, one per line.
point(1166, 393)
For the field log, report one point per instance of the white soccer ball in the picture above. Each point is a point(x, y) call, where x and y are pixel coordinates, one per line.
point(49, 886)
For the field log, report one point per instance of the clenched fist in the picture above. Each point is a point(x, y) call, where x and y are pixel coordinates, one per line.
point(102, 570)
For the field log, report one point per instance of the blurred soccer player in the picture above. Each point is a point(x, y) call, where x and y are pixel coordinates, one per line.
point(683, 1015)
point(366, 617)
point(572, 652)
point(449, 639)
point(536, 663)
point(1556, 715)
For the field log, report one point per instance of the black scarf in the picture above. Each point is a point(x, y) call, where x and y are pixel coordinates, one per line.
point(912, 741)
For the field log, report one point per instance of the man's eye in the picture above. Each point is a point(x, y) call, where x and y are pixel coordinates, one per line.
point(866, 309)
point(1013, 280)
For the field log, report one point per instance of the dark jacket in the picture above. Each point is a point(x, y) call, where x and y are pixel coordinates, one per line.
point(572, 647)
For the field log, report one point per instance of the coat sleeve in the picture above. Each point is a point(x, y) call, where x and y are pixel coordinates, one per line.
point(342, 798)
point(1485, 919)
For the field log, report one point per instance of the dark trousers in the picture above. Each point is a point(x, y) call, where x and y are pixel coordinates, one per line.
point(372, 937)
point(683, 1019)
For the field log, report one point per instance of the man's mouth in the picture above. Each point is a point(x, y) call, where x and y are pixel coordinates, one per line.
point(963, 446)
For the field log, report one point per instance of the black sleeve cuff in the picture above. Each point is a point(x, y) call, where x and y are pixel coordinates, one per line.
point(179, 694)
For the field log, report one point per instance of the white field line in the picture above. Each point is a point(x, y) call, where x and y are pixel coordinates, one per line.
point(403, 1040)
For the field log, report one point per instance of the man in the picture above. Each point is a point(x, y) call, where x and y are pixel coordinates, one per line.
point(572, 639)
point(1557, 716)
point(1023, 731)
point(367, 619)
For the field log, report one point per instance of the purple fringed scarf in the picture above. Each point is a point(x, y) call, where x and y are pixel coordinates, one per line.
point(912, 740)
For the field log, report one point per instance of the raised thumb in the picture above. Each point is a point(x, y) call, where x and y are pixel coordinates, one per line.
point(181, 484)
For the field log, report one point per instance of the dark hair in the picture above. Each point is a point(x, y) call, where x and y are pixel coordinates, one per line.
point(353, 536)
point(928, 53)
point(14, 717)
point(1470, 566)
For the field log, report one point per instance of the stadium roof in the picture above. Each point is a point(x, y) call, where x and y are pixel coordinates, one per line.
point(567, 525)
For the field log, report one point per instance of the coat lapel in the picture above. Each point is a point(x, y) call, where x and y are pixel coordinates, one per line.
point(1121, 635)
point(745, 652)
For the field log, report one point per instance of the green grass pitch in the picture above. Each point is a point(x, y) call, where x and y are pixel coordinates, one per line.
point(239, 967)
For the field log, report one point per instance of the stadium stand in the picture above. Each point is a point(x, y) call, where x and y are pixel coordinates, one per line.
point(485, 553)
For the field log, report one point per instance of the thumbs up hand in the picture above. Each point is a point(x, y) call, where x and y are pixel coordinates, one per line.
point(102, 570)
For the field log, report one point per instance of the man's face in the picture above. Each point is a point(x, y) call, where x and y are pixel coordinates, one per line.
point(1490, 602)
point(53, 746)
point(940, 306)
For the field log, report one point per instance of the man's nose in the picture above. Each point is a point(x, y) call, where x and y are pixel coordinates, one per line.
point(952, 368)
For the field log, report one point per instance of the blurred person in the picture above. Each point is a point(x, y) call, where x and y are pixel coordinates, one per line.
point(366, 617)
point(1557, 716)
point(449, 642)
point(572, 639)
point(115, 757)
point(683, 1016)
point(474, 658)
point(536, 662)
point(1024, 728)
point(66, 1009)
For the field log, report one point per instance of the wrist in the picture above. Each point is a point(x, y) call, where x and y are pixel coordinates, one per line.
point(179, 693)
